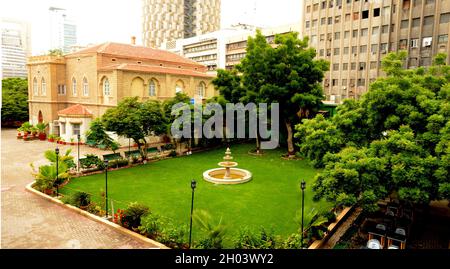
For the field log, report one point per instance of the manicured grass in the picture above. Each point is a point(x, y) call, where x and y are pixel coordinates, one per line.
point(271, 199)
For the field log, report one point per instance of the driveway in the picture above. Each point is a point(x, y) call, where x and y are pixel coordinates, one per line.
point(28, 221)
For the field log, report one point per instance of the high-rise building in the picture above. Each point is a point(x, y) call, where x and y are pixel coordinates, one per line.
point(167, 20)
point(16, 47)
point(63, 31)
point(354, 36)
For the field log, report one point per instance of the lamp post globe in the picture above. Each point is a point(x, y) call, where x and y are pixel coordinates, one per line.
point(193, 186)
point(57, 171)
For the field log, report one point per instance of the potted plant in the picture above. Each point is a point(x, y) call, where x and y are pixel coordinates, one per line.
point(51, 138)
point(58, 140)
point(63, 142)
point(72, 141)
point(26, 128)
point(34, 132)
point(41, 129)
point(19, 133)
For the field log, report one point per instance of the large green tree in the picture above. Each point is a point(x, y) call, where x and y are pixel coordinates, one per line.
point(394, 141)
point(14, 100)
point(136, 120)
point(285, 73)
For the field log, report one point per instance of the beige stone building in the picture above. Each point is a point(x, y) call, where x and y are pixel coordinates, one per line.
point(354, 35)
point(167, 20)
point(65, 91)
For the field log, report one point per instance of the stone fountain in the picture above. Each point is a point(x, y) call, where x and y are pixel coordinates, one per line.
point(228, 174)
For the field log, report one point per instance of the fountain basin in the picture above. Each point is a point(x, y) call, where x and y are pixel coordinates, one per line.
point(228, 164)
point(237, 176)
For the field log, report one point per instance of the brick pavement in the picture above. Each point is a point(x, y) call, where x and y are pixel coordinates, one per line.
point(28, 221)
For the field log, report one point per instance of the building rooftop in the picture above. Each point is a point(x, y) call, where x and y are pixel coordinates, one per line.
point(155, 69)
point(75, 110)
point(137, 52)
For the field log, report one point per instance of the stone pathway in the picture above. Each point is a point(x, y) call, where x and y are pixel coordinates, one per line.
point(28, 221)
point(332, 241)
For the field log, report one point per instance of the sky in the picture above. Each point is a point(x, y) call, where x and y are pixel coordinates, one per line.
point(100, 21)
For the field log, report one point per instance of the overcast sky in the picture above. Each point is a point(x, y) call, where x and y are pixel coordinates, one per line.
point(106, 20)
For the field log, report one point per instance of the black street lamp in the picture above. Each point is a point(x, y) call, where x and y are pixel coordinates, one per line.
point(106, 187)
point(303, 187)
point(193, 185)
point(78, 136)
point(57, 172)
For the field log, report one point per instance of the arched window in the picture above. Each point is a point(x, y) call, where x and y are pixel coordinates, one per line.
point(85, 87)
point(179, 87)
point(106, 89)
point(35, 87)
point(201, 89)
point(43, 86)
point(74, 87)
point(152, 88)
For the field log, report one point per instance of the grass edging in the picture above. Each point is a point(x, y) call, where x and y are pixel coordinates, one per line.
point(98, 219)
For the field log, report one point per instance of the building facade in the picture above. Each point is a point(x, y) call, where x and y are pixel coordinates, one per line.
point(208, 49)
point(167, 20)
point(63, 31)
point(354, 36)
point(236, 46)
point(16, 47)
point(99, 77)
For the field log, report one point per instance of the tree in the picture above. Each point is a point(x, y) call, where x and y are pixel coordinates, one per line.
point(14, 100)
point(395, 140)
point(136, 120)
point(286, 74)
point(55, 52)
point(97, 136)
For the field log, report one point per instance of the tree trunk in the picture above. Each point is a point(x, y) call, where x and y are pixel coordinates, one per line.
point(290, 135)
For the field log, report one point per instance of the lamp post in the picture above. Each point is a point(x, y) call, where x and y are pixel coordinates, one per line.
point(79, 137)
point(303, 187)
point(57, 172)
point(193, 185)
point(106, 188)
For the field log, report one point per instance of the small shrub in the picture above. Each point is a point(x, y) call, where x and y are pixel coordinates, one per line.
point(91, 161)
point(331, 216)
point(78, 199)
point(247, 239)
point(173, 153)
point(293, 242)
point(132, 215)
point(95, 209)
point(163, 230)
point(168, 147)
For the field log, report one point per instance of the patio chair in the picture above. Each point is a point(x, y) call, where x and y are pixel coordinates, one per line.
point(374, 244)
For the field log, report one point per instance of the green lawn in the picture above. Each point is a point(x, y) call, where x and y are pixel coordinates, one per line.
point(271, 199)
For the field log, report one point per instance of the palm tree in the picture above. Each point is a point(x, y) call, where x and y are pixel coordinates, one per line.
point(46, 176)
point(215, 232)
point(66, 158)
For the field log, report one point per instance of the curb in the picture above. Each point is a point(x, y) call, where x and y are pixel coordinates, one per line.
point(152, 244)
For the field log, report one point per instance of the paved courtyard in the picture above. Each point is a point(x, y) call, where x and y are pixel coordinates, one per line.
point(28, 221)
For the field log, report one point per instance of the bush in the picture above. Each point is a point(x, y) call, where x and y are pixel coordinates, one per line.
point(293, 242)
point(78, 199)
point(91, 161)
point(132, 215)
point(164, 231)
point(168, 147)
point(173, 153)
point(118, 163)
point(331, 216)
point(247, 239)
point(95, 209)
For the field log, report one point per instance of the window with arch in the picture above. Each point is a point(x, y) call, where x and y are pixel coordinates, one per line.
point(85, 87)
point(106, 89)
point(43, 86)
point(201, 89)
point(152, 88)
point(35, 87)
point(179, 87)
point(74, 87)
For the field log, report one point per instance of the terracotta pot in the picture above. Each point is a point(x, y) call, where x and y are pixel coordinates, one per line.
point(72, 143)
point(64, 143)
point(42, 136)
point(51, 140)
